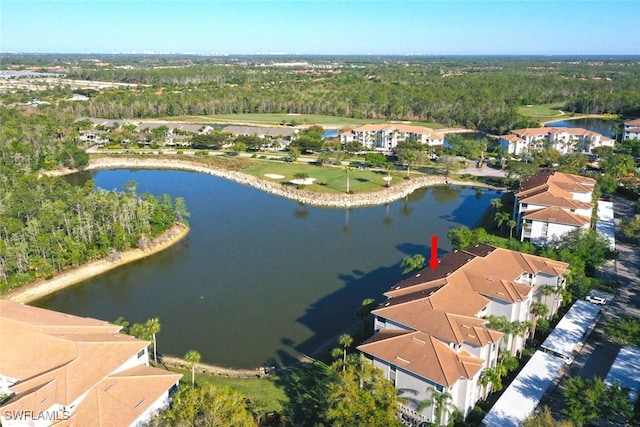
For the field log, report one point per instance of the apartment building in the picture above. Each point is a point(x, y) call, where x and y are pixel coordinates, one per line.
point(632, 129)
point(385, 137)
point(565, 140)
point(551, 204)
point(64, 370)
point(432, 333)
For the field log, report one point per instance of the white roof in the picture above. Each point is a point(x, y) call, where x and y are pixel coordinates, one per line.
point(571, 328)
point(625, 372)
point(605, 225)
point(522, 397)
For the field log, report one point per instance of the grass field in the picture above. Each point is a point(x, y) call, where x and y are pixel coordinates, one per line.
point(262, 391)
point(328, 179)
point(302, 119)
point(543, 112)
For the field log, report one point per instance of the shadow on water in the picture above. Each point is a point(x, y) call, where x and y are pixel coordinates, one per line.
point(358, 286)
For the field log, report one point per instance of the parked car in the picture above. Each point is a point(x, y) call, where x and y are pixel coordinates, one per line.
point(596, 300)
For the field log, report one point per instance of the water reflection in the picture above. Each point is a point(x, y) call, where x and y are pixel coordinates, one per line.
point(260, 277)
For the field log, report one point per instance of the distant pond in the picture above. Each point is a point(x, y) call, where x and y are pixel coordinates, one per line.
point(602, 126)
point(259, 277)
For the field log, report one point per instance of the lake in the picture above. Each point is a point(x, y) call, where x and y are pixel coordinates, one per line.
point(260, 278)
point(602, 126)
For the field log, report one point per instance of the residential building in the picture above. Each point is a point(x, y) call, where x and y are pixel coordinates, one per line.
point(551, 204)
point(565, 140)
point(632, 129)
point(66, 370)
point(432, 334)
point(385, 137)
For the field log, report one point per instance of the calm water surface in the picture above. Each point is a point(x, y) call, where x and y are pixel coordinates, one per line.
point(604, 127)
point(260, 277)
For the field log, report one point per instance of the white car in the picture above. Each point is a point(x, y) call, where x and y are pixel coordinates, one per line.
point(596, 300)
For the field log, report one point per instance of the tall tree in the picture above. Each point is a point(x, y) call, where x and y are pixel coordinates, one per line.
point(442, 404)
point(192, 358)
point(153, 327)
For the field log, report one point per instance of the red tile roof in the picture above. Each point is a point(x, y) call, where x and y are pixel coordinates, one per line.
point(424, 355)
point(557, 216)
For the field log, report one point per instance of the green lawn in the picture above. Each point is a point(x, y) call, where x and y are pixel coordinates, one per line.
point(278, 118)
point(543, 112)
point(329, 179)
point(262, 391)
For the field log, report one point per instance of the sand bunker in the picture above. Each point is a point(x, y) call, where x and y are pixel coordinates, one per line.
point(273, 176)
point(307, 181)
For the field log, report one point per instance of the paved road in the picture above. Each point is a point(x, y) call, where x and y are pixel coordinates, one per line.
point(598, 353)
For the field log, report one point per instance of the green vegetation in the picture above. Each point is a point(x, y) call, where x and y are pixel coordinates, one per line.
point(544, 112)
point(328, 179)
point(587, 401)
point(49, 225)
point(265, 393)
point(625, 331)
point(487, 93)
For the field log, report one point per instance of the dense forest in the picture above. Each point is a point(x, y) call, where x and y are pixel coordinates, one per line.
point(48, 225)
point(475, 92)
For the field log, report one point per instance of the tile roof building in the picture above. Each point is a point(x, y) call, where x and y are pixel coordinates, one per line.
point(66, 370)
point(385, 137)
point(565, 140)
point(551, 204)
point(432, 335)
point(632, 129)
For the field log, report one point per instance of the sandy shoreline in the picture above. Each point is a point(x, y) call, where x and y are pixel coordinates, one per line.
point(35, 290)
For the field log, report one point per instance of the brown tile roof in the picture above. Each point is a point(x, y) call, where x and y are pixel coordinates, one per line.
point(420, 315)
point(557, 216)
point(550, 188)
point(469, 274)
point(424, 355)
point(634, 122)
point(68, 357)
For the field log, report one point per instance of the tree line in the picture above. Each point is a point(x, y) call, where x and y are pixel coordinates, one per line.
point(473, 92)
point(48, 225)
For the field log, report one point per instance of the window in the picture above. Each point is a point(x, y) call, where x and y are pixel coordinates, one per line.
point(140, 353)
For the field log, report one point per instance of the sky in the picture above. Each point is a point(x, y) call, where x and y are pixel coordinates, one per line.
point(348, 27)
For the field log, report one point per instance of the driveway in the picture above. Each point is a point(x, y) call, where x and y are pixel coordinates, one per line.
point(483, 171)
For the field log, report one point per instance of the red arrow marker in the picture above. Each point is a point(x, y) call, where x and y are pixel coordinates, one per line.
point(433, 262)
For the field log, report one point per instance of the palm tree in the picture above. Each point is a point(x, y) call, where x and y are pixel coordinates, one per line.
point(153, 327)
point(500, 218)
point(538, 310)
point(412, 263)
point(192, 358)
point(388, 166)
point(364, 311)
point(347, 170)
point(496, 204)
point(442, 403)
point(547, 290)
point(345, 341)
point(512, 224)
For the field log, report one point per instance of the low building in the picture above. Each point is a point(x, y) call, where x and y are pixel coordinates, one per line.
point(551, 204)
point(631, 129)
point(64, 370)
point(432, 333)
point(385, 137)
point(565, 140)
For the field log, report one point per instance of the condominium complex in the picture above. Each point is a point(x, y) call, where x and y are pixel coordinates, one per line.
point(565, 140)
point(551, 204)
point(385, 137)
point(432, 333)
point(631, 129)
point(64, 370)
